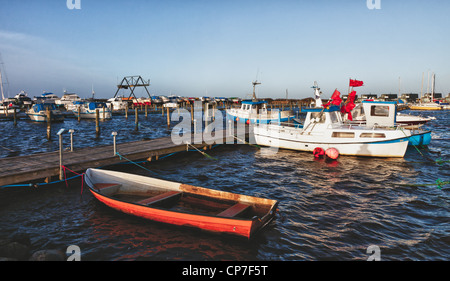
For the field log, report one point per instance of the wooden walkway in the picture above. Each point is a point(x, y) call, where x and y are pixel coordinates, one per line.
point(24, 169)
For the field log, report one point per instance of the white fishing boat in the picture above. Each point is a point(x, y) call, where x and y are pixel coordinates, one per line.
point(38, 112)
point(7, 107)
point(23, 99)
point(67, 100)
point(88, 110)
point(324, 128)
point(118, 103)
point(46, 98)
point(255, 111)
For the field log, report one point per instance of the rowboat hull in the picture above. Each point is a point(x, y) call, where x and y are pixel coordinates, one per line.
point(239, 226)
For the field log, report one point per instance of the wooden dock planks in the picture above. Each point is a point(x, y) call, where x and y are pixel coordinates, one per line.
point(23, 169)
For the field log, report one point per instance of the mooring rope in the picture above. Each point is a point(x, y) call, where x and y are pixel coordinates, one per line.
point(202, 152)
point(140, 166)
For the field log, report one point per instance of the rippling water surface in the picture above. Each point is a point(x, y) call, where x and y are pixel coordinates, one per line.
point(328, 210)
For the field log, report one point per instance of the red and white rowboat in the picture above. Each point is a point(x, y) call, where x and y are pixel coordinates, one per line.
point(181, 204)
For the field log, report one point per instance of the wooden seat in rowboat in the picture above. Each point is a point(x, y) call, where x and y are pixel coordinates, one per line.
point(234, 210)
point(159, 198)
point(107, 187)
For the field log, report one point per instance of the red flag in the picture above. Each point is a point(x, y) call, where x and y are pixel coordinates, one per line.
point(356, 83)
point(349, 105)
point(335, 99)
point(351, 97)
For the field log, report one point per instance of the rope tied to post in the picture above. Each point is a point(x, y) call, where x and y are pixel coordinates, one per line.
point(140, 166)
point(65, 178)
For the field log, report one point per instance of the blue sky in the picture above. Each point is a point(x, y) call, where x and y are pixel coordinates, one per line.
point(218, 47)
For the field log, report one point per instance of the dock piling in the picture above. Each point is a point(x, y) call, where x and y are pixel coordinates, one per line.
point(168, 118)
point(49, 127)
point(136, 120)
point(97, 122)
point(60, 132)
point(15, 117)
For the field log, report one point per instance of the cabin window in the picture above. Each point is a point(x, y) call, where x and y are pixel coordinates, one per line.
point(372, 135)
point(333, 117)
point(379, 110)
point(343, 135)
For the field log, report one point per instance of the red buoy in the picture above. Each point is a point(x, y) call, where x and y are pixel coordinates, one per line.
point(318, 152)
point(332, 153)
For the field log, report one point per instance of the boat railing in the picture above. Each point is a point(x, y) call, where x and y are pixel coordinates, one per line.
point(286, 124)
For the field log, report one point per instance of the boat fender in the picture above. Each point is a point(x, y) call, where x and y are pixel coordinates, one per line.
point(318, 152)
point(332, 153)
point(237, 119)
point(248, 122)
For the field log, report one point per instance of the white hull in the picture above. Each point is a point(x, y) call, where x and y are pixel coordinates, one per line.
point(89, 111)
point(41, 116)
point(394, 145)
point(92, 115)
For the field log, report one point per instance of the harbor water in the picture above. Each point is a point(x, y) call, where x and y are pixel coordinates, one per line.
point(328, 210)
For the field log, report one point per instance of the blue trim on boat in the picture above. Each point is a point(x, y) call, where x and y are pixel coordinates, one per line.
point(253, 102)
point(420, 139)
point(319, 109)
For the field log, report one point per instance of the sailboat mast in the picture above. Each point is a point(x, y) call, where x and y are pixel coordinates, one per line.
point(433, 77)
point(1, 85)
point(421, 88)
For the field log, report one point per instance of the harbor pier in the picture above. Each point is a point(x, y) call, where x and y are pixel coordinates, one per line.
point(24, 169)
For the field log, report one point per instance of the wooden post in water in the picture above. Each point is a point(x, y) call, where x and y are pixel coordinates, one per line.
point(15, 117)
point(168, 118)
point(192, 113)
point(104, 112)
point(126, 112)
point(146, 110)
point(79, 113)
point(97, 122)
point(49, 121)
point(136, 119)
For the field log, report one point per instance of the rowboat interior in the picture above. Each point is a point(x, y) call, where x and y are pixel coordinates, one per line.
point(182, 201)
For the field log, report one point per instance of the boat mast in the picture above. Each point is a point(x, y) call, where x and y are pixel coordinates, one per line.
point(254, 86)
point(433, 77)
point(421, 88)
point(1, 85)
point(317, 94)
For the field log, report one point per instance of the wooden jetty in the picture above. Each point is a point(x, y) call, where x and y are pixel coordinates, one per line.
point(23, 169)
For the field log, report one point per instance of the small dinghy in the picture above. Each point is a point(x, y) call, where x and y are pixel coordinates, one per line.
point(181, 204)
